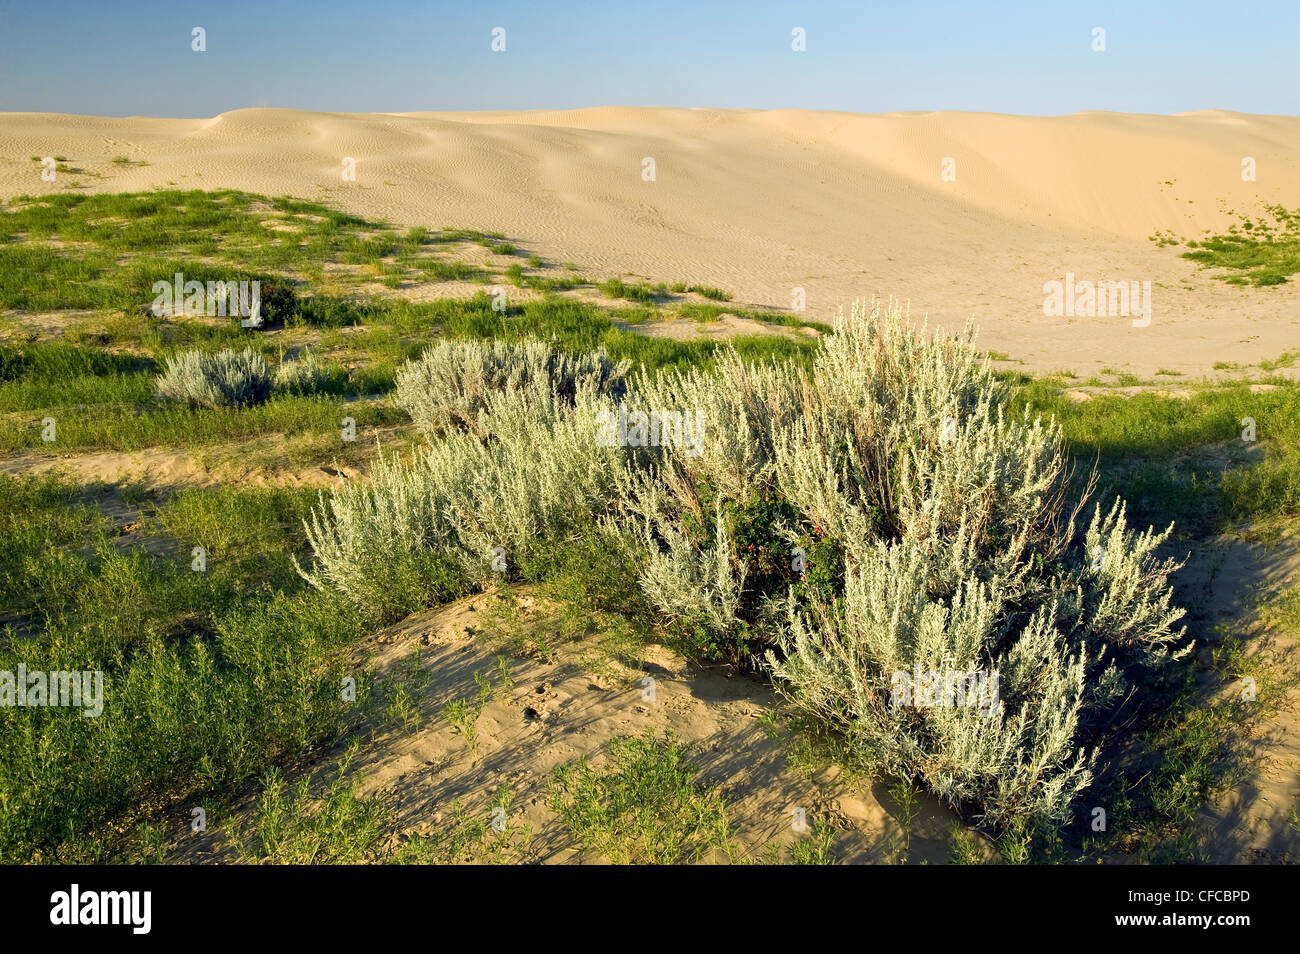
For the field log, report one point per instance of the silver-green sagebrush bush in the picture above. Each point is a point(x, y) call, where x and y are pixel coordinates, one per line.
point(899, 553)
point(303, 375)
point(463, 501)
point(447, 388)
point(215, 379)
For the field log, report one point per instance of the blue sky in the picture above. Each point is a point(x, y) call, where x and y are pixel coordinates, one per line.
point(118, 57)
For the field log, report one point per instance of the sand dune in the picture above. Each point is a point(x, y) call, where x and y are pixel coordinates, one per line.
point(839, 204)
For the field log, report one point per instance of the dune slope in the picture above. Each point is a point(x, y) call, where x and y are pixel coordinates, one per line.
point(760, 203)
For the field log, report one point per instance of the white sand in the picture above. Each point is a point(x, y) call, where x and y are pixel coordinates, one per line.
point(840, 204)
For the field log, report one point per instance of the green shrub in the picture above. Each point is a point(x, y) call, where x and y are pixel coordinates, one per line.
point(447, 388)
point(438, 519)
point(302, 376)
point(221, 379)
point(879, 516)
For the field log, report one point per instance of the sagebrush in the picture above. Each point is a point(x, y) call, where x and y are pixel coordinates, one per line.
point(215, 379)
point(448, 387)
point(879, 515)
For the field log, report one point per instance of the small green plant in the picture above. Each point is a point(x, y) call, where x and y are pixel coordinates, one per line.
point(906, 794)
point(711, 293)
point(816, 848)
point(1260, 252)
point(1015, 847)
point(489, 837)
point(291, 826)
point(646, 807)
point(463, 714)
point(962, 849)
point(463, 718)
point(630, 291)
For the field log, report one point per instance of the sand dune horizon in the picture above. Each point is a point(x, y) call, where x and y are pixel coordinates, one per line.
point(962, 215)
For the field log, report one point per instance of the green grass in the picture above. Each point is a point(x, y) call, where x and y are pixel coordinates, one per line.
point(646, 807)
point(208, 676)
point(440, 271)
point(73, 251)
point(1194, 746)
point(548, 283)
point(705, 313)
point(292, 827)
point(578, 326)
point(709, 292)
point(1286, 359)
point(315, 821)
point(1152, 449)
point(630, 291)
point(138, 424)
point(1260, 251)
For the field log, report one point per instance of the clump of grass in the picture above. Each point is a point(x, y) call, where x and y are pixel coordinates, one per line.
point(816, 848)
point(646, 807)
point(962, 849)
point(463, 714)
point(295, 826)
point(553, 283)
point(291, 826)
point(441, 271)
point(1193, 749)
point(486, 837)
point(711, 293)
point(1286, 359)
point(629, 291)
point(1264, 251)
